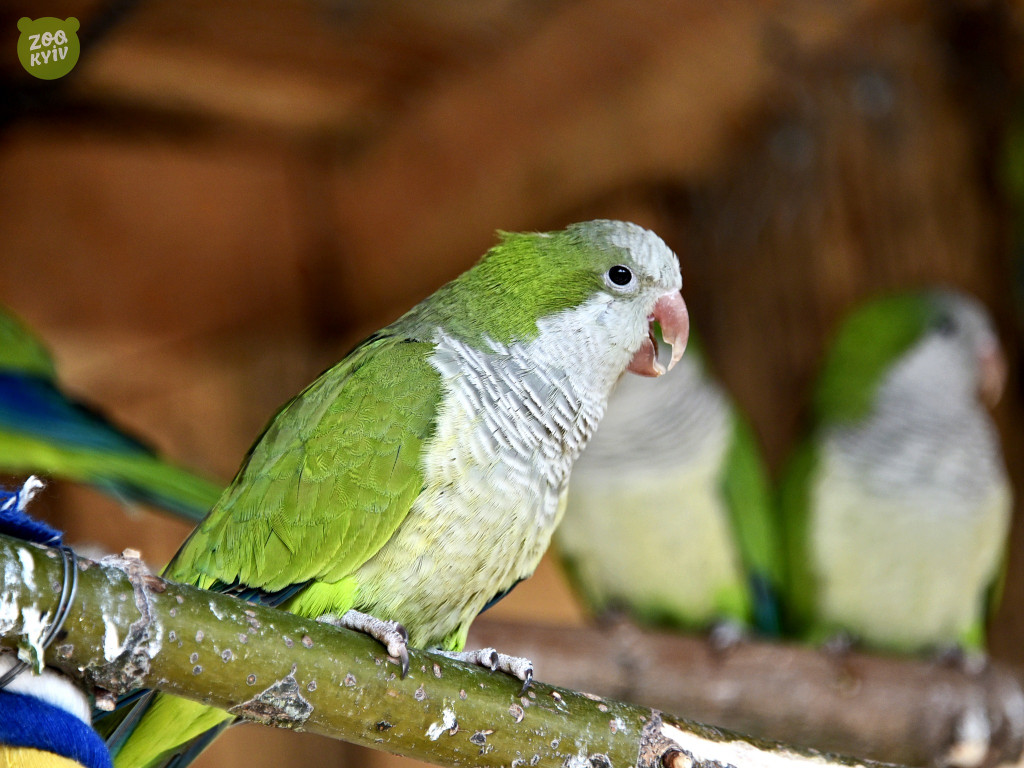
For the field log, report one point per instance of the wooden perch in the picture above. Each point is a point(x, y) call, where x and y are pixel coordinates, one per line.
point(128, 628)
point(914, 712)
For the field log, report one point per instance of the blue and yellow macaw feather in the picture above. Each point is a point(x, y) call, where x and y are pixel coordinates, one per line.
point(21, 351)
point(43, 431)
point(32, 405)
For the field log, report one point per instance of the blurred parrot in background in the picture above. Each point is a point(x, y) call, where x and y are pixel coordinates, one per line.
point(896, 511)
point(45, 432)
point(418, 480)
point(669, 515)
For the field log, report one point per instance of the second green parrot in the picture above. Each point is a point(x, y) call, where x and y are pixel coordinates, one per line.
point(669, 516)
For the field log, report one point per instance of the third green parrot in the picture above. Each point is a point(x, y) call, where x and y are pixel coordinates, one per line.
point(419, 479)
point(897, 508)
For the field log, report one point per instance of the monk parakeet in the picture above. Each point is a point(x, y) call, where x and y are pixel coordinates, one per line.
point(419, 479)
point(46, 432)
point(669, 516)
point(896, 510)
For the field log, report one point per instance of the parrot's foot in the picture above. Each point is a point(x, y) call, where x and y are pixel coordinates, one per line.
point(726, 635)
point(390, 634)
point(488, 658)
point(968, 661)
point(839, 644)
point(612, 618)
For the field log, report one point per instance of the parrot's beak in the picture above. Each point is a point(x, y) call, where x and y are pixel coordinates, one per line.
point(670, 313)
point(993, 373)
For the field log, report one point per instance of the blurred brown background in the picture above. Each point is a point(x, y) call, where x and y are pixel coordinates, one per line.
point(222, 197)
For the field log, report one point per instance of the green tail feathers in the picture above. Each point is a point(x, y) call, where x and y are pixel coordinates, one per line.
point(148, 480)
point(135, 477)
point(167, 728)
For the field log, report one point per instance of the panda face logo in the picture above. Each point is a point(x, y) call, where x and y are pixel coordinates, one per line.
point(48, 47)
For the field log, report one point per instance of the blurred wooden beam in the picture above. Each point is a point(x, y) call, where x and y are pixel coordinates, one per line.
point(296, 68)
point(604, 94)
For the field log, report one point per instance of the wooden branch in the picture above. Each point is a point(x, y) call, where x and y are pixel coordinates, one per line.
point(128, 628)
point(914, 712)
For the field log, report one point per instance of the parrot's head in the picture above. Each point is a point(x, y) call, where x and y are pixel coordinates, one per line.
point(20, 350)
point(599, 285)
point(962, 337)
point(933, 344)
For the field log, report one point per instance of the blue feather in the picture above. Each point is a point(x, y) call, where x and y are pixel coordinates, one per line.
point(34, 406)
point(766, 606)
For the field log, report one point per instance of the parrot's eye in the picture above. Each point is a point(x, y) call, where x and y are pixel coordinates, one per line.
point(945, 325)
point(620, 275)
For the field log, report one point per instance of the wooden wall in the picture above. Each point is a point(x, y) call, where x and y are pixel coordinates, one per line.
point(223, 196)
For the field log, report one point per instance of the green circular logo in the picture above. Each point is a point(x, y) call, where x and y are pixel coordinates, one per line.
point(48, 48)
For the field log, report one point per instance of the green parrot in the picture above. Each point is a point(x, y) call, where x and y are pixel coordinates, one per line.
point(45, 432)
point(418, 480)
point(669, 515)
point(896, 510)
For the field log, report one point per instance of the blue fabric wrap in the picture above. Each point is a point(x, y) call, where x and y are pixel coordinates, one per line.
point(25, 721)
point(14, 522)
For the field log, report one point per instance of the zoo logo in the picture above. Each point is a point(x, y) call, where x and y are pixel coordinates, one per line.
point(48, 47)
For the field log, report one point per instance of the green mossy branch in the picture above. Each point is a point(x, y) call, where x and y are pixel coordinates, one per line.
point(129, 629)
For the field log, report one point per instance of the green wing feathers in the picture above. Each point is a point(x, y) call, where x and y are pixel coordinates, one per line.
point(20, 350)
point(794, 504)
point(169, 723)
point(746, 488)
point(329, 481)
point(333, 475)
point(748, 498)
point(45, 431)
point(135, 476)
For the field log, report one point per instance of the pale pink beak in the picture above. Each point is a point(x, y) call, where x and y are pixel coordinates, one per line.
point(670, 313)
point(993, 373)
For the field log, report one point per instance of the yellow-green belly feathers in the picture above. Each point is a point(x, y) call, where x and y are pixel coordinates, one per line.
point(906, 570)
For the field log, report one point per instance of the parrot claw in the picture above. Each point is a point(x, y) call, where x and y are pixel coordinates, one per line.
point(955, 656)
point(392, 635)
point(726, 635)
point(403, 659)
point(488, 658)
point(840, 644)
point(527, 681)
